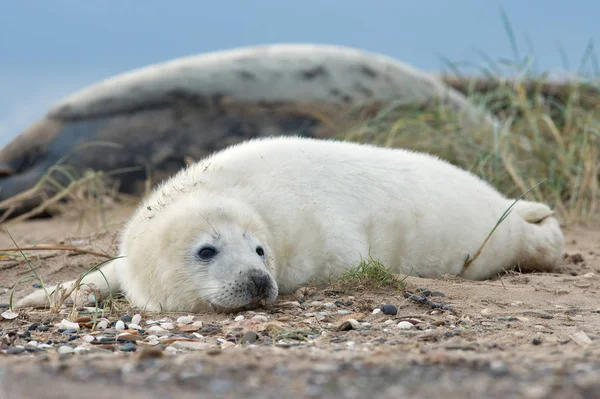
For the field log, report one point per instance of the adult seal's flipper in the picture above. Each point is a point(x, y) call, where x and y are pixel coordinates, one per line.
point(154, 118)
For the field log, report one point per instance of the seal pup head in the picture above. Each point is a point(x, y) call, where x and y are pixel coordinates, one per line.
point(197, 253)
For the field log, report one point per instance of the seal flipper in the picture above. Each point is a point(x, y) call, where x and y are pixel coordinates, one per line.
point(97, 278)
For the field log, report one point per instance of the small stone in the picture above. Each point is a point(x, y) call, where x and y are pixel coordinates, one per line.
point(171, 349)
point(486, 312)
point(126, 319)
point(405, 325)
point(375, 311)
point(44, 346)
point(33, 327)
point(343, 311)
point(43, 328)
point(388, 322)
point(328, 304)
point(88, 338)
point(69, 331)
point(72, 337)
point(167, 326)
point(536, 341)
point(8, 315)
point(185, 320)
point(156, 329)
point(189, 345)
point(197, 323)
point(580, 338)
point(65, 349)
point(366, 325)
point(128, 347)
point(68, 325)
point(249, 337)
point(136, 319)
point(119, 325)
point(33, 344)
point(389, 309)
point(239, 318)
point(437, 293)
point(129, 337)
point(102, 324)
point(15, 350)
point(81, 349)
point(260, 319)
point(133, 326)
point(37, 285)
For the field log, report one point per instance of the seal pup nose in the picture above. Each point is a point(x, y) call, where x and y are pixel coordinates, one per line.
point(260, 284)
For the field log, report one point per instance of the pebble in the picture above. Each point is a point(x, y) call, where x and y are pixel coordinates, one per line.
point(119, 325)
point(126, 319)
point(33, 343)
point(260, 319)
point(72, 337)
point(44, 346)
point(102, 324)
point(328, 304)
point(134, 326)
point(185, 319)
point(536, 341)
point(405, 325)
point(343, 311)
point(68, 325)
point(376, 311)
point(15, 350)
point(65, 349)
point(136, 319)
point(167, 326)
point(389, 309)
point(366, 325)
point(43, 328)
point(8, 315)
point(239, 318)
point(197, 323)
point(33, 327)
point(156, 329)
point(128, 347)
point(69, 331)
point(88, 338)
point(388, 322)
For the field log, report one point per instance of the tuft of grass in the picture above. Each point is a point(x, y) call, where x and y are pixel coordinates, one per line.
point(369, 274)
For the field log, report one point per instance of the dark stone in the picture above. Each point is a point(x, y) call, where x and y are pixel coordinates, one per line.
point(389, 309)
point(536, 341)
point(73, 337)
point(43, 328)
point(126, 319)
point(249, 337)
point(33, 327)
point(36, 285)
point(128, 347)
point(69, 331)
point(14, 350)
point(437, 293)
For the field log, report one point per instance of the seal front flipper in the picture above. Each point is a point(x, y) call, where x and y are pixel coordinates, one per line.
point(104, 281)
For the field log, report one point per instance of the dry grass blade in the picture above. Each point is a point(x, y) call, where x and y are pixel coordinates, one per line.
point(48, 247)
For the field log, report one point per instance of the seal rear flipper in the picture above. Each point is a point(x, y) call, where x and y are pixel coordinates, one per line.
point(533, 212)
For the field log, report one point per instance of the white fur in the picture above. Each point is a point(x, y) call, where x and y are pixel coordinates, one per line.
point(317, 207)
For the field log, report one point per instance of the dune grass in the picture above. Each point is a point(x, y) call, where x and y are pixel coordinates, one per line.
point(547, 130)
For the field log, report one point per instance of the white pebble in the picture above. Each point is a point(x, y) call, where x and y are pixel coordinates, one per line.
point(133, 326)
point(344, 311)
point(197, 323)
point(260, 318)
point(185, 320)
point(154, 342)
point(80, 349)
point(119, 325)
point(136, 319)
point(65, 349)
point(68, 325)
point(239, 318)
point(44, 346)
point(375, 311)
point(328, 305)
point(151, 337)
point(33, 343)
point(149, 322)
point(167, 326)
point(8, 315)
point(366, 325)
point(88, 338)
point(190, 345)
point(405, 325)
point(198, 335)
point(156, 329)
point(170, 349)
point(102, 324)
point(388, 322)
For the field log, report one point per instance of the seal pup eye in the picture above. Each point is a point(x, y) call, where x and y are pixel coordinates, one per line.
point(206, 253)
point(260, 251)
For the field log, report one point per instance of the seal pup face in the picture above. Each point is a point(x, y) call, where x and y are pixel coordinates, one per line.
point(190, 257)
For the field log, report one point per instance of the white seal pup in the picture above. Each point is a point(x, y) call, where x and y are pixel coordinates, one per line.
point(264, 217)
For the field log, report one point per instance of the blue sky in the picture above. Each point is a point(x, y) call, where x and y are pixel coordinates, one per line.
point(50, 48)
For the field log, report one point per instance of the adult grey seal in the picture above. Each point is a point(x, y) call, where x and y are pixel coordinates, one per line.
point(158, 115)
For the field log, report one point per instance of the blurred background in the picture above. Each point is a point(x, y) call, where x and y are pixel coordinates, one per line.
point(50, 48)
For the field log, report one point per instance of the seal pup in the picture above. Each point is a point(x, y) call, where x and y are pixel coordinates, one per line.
point(263, 217)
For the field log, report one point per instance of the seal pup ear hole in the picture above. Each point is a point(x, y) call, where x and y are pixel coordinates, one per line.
point(206, 253)
point(260, 251)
